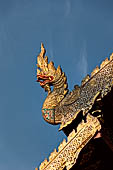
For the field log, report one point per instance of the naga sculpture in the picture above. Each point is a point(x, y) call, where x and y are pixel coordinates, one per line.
point(80, 113)
point(62, 106)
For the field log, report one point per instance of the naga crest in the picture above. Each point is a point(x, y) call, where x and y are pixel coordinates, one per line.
point(47, 74)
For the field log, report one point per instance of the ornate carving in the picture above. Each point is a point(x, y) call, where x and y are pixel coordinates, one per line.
point(99, 84)
point(68, 152)
point(48, 75)
point(63, 108)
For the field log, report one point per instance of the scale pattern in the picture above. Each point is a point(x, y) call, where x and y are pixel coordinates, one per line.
point(99, 84)
point(68, 152)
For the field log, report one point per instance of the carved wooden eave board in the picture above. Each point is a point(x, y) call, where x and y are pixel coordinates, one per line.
point(68, 151)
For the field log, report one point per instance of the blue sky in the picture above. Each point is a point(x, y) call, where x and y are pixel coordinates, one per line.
point(77, 34)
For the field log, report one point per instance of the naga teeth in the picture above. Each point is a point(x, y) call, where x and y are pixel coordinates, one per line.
point(49, 78)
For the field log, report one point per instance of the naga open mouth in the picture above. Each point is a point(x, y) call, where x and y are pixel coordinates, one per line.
point(43, 79)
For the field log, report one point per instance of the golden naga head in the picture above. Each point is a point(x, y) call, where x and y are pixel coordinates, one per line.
point(47, 74)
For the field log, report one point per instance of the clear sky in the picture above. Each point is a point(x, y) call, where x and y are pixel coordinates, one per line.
point(77, 34)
